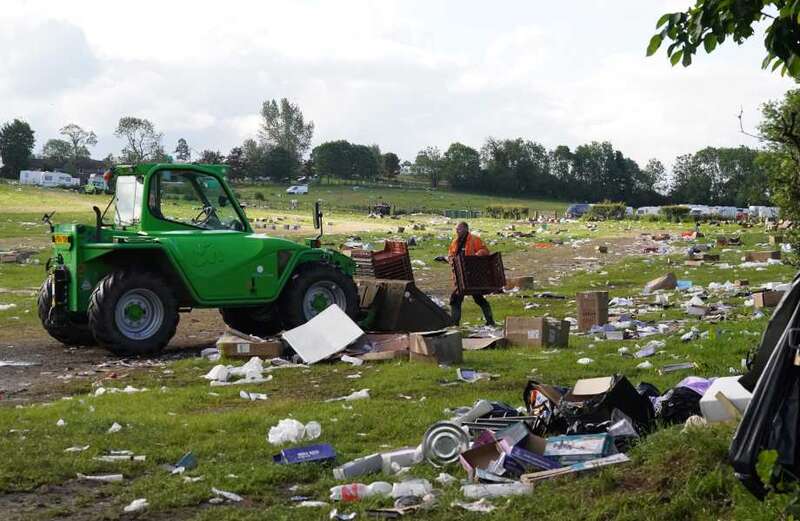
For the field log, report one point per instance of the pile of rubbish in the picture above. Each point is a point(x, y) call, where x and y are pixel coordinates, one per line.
point(504, 451)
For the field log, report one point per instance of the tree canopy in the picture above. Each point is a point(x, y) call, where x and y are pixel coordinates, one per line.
point(16, 145)
point(142, 142)
point(709, 23)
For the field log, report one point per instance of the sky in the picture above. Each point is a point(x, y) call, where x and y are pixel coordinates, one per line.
point(401, 74)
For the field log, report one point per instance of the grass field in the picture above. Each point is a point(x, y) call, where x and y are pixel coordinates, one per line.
point(673, 475)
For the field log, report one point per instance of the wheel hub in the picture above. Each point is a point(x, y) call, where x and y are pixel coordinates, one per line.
point(139, 314)
point(320, 295)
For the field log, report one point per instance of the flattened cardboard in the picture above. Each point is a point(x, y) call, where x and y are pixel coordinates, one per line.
point(323, 336)
point(591, 386)
point(476, 344)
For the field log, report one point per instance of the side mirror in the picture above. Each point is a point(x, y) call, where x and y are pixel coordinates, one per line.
point(222, 200)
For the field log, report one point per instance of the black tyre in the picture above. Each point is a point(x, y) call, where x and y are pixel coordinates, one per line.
point(259, 321)
point(133, 312)
point(70, 330)
point(312, 288)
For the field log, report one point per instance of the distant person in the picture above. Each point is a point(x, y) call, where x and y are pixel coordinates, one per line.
point(467, 244)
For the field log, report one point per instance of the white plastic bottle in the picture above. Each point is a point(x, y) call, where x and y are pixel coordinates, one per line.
point(359, 491)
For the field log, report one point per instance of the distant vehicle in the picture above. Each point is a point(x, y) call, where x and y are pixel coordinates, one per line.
point(577, 210)
point(47, 179)
point(297, 189)
point(96, 184)
point(742, 214)
point(648, 210)
point(763, 212)
point(724, 212)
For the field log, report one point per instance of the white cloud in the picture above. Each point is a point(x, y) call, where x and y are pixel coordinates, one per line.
point(403, 74)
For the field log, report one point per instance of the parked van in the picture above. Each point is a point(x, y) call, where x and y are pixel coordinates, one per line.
point(297, 189)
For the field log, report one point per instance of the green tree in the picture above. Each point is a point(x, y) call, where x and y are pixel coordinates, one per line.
point(279, 164)
point(236, 163)
point(333, 159)
point(780, 129)
point(284, 127)
point(142, 142)
point(57, 152)
point(561, 159)
point(654, 176)
point(182, 151)
point(211, 157)
point(254, 159)
point(16, 145)
point(429, 164)
point(462, 166)
point(365, 162)
point(709, 23)
point(80, 140)
point(391, 164)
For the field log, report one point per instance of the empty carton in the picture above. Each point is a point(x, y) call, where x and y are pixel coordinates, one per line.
point(440, 347)
point(592, 309)
point(537, 331)
point(715, 410)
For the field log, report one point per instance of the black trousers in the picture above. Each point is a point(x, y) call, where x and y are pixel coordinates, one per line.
point(456, 299)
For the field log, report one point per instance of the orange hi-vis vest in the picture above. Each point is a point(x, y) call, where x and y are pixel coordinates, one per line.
point(472, 246)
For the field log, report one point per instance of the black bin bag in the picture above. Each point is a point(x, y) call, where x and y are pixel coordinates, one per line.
point(771, 420)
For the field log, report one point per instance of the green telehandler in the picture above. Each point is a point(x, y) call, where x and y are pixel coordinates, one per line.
point(178, 239)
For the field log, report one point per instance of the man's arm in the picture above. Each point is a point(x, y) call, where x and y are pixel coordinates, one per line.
point(480, 247)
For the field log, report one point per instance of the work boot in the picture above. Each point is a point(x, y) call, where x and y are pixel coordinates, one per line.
point(455, 311)
point(487, 314)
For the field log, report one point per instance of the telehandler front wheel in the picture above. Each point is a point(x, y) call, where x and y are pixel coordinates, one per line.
point(133, 312)
point(64, 329)
point(313, 288)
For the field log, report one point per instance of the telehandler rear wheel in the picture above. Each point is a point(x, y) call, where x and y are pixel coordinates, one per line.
point(314, 287)
point(260, 321)
point(133, 312)
point(67, 331)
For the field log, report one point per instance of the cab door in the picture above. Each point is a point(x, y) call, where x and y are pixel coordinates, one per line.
point(193, 216)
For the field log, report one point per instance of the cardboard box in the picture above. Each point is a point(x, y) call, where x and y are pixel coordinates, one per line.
point(767, 298)
point(537, 331)
point(481, 457)
point(592, 309)
point(525, 282)
point(741, 282)
point(568, 450)
point(668, 281)
point(439, 347)
point(761, 256)
point(321, 452)
point(234, 344)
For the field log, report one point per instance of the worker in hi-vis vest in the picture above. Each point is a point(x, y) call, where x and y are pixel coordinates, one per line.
point(466, 243)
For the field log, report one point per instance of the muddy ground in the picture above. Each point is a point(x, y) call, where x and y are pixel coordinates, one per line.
point(58, 368)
